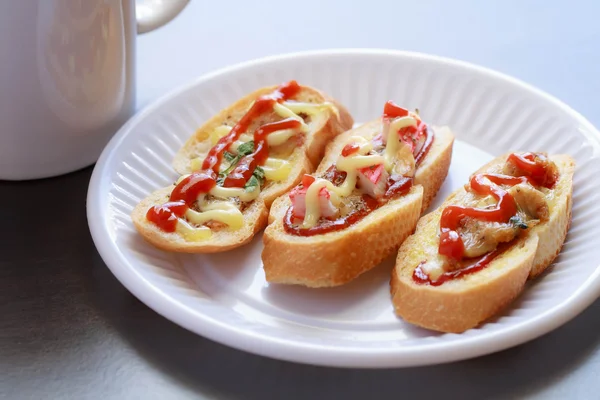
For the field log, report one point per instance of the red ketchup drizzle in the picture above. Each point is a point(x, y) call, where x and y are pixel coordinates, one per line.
point(532, 165)
point(326, 226)
point(396, 185)
point(260, 106)
point(166, 215)
point(421, 277)
point(187, 191)
point(349, 149)
point(192, 186)
point(244, 169)
point(451, 244)
point(396, 188)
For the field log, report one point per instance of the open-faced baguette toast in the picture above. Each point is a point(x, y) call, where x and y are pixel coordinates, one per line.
point(363, 200)
point(471, 257)
point(236, 164)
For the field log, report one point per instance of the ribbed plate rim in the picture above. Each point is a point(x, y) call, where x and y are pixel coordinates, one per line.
point(433, 353)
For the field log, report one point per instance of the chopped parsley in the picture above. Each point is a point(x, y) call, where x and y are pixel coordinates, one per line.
point(259, 173)
point(246, 148)
point(258, 176)
point(233, 160)
point(229, 156)
point(252, 183)
point(257, 179)
point(232, 165)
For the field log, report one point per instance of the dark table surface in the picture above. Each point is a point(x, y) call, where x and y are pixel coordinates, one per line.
point(69, 329)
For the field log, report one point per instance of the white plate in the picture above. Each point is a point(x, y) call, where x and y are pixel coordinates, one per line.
point(225, 297)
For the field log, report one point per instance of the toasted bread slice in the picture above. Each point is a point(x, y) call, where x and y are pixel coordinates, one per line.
point(335, 258)
point(303, 158)
point(324, 127)
point(255, 218)
point(464, 303)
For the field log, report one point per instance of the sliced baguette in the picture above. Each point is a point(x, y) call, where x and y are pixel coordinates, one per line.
point(464, 303)
point(255, 218)
point(323, 127)
point(336, 258)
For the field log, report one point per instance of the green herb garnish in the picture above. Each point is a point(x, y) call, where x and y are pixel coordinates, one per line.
point(252, 184)
point(229, 156)
point(231, 166)
point(259, 173)
point(518, 222)
point(246, 148)
point(257, 179)
point(233, 160)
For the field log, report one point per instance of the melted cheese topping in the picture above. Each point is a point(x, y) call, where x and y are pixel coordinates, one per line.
point(218, 133)
point(285, 112)
point(313, 208)
point(393, 141)
point(349, 164)
point(196, 164)
point(434, 267)
point(190, 233)
point(243, 194)
point(276, 170)
point(311, 108)
point(280, 137)
point(224, 212)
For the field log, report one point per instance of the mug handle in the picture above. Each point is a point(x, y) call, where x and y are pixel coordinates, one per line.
point(152, 14)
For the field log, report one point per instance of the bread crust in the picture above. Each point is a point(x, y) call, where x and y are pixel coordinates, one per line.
point(339, 257)
point(324, 128)
point(465, 303)
point(336, 258)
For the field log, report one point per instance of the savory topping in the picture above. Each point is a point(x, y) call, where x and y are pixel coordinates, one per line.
point(497, 209)
point(532, 206)
point(237, 166)
point(373, 180)
point(480, 237)
point(541, 171)
point(366, 175)
point(323, 203)
point(224, 212)
point(410, 129)
point(420, 276)
point(244, 169)
point(310, 109)
point(405, 126)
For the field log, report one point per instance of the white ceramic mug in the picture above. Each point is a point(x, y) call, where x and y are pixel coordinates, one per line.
point(67, 79)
